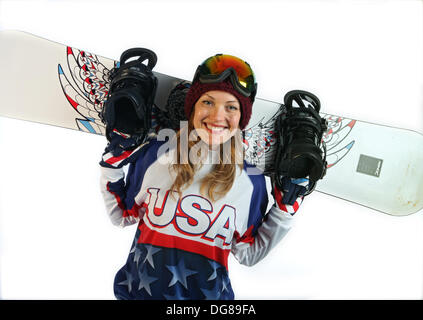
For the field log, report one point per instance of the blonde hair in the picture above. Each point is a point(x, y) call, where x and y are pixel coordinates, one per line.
point(220, 179)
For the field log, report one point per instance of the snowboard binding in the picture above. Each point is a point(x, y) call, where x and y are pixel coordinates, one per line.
point(301, 153)
point(131, 95)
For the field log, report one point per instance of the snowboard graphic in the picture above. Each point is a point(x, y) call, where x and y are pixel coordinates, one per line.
point(376, 166)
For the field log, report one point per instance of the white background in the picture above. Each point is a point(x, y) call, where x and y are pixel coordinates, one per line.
point(363, 59)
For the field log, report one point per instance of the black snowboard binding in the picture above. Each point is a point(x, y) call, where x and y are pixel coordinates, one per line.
point(131, 95)
point(301, 153)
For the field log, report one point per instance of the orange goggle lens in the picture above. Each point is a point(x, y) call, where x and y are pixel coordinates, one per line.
point(215, 66)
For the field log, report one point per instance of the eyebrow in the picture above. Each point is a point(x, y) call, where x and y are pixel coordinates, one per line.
point(215, 99)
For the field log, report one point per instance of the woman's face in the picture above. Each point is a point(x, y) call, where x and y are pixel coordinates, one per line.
point(216, 117)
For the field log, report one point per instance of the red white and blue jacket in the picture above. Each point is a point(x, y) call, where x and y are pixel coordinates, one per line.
point(181, 245)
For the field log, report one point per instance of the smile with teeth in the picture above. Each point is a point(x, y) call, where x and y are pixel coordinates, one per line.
point(216, 129)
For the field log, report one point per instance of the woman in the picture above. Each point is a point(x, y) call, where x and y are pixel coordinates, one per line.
point(195, 203)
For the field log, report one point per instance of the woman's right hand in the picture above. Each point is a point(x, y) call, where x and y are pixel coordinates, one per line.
point(121, 150)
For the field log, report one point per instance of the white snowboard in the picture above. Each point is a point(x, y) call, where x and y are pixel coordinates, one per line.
point(376, 166)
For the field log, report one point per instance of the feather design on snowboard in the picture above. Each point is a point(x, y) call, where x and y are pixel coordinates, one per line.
point(259, 140)
point(86, 88)
point(337, 144)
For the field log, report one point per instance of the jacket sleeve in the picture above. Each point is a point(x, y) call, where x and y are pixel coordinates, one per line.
point(112, 186)
point(120, 192)
point(253, 246)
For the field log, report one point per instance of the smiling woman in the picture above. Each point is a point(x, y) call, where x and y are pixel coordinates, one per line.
point(192, 215)
point(364, 58)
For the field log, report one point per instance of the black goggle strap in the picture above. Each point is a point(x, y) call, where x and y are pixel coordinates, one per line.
point(228, 73)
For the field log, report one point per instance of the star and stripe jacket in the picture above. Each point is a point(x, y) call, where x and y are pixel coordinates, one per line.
point(182, 243)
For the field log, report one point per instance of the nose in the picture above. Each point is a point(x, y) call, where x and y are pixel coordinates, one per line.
point(218, 112)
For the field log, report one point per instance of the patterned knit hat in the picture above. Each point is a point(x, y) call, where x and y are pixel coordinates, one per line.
point(197, 89)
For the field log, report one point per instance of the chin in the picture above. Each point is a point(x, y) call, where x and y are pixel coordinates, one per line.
point(217, 141)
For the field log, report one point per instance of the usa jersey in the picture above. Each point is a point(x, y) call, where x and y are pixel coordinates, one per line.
point(182, 243)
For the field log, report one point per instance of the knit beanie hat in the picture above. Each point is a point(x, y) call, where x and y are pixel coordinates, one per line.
point(197, 89)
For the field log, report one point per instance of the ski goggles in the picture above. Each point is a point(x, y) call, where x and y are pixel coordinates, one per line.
point(222, 66)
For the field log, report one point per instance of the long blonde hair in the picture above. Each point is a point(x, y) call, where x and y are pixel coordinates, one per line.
point(220, 179)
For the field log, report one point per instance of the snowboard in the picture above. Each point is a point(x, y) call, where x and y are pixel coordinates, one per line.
point(376, 166)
